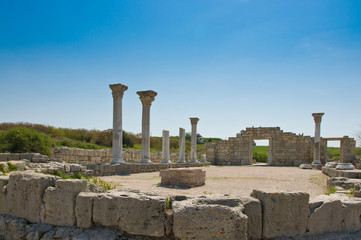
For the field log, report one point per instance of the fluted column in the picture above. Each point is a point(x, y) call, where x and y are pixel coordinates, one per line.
point(316, 154)
point(194, 122)
point(165, 148)
point(182, 146)
point(117, 144)
point(146, 97)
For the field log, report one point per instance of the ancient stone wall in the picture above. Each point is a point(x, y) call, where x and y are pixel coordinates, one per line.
point(286, 148)
point(90, 156)
point(33, 204)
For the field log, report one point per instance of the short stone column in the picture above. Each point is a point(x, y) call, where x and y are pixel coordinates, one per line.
point(194, 122)
point(182, 146)
point(165, 148)
point(146, 97)
point(117, 144)
point(316, 154)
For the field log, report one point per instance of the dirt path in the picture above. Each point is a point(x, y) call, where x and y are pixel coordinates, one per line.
point(235, 180)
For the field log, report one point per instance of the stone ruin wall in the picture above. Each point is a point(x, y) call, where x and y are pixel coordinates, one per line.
point(33, 203)
point(287, 149)
point(90, 156)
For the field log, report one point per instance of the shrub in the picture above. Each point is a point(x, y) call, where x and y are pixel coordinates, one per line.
point(259, 157)
point(22, 139)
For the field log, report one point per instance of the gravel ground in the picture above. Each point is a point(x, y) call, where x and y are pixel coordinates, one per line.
point(235, 180)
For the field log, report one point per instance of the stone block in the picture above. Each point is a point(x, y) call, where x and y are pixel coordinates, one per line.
point(74, 167)
point(209, 219)
point(4, 157)
point(60, 201)
point(253, 210)
point(84, 209)
point(3, 182)
point(325, 215)
point(184, 177)
point(14, 156)
point(25, 192)
point(133, 212)
point(285, 214)
point(351, 212)
point(20, 164)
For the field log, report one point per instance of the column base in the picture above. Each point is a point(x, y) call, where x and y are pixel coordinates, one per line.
point(345, 166)
point(146, 161)
point(193, 161)
point(316, 165)
point(166, 161)
point(117, 161)
point(181, 161)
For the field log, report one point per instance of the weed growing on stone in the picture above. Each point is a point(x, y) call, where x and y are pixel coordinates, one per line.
point(101, 183)
point(331, 190)
point(169, 203)
point(11, 167)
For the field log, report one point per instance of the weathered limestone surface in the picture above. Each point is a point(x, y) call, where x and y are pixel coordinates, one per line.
point(209, 218)
point(63, 194)
point(165, 147)
point(284, 213)
point(325, 215)
point(194, 122)
point(132, 212)
point(305, 166)
point(25, 192)
point(117, 144)
point(3, 182)
point(253, 210)
point(146, 97)
point(184, 177)
point(182, 145)
point(84, 209)
point(351, 212)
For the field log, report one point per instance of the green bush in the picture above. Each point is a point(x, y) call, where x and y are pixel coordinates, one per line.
point(260, 157)
point(22, 139)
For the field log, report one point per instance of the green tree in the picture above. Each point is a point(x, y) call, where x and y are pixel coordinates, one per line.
point(22, 139)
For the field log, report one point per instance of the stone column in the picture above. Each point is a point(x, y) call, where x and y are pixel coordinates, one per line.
point(147, 97)
point(194, 122)
point(316, 154)
point(165, 148)
point(117, 144)
point(182, 145)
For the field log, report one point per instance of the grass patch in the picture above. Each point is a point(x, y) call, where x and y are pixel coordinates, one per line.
point(260, 153)
point(101, 183)
point(318, 180)
point(331, 190)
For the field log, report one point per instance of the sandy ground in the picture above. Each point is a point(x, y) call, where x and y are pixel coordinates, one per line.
point(235, 180)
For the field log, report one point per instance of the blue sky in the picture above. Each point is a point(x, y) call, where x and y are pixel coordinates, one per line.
point(233, 63)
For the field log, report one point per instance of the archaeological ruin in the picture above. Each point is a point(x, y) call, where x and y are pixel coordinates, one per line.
point(36, 204)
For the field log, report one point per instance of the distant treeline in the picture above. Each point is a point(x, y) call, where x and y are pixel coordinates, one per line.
point(96, 139)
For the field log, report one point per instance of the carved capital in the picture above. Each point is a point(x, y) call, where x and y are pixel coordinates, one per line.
point(317, 117)
point(118, 90)
point(147, 97)
point(194, 120)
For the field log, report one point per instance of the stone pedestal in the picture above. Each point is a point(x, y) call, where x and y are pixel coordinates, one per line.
point(182, 146)
point(345, 166)
point(183, 177)
point(146, 97)
point(117, 144)
point(204, 158)
point(316, 155)
point(194, 122)
point(165, 148)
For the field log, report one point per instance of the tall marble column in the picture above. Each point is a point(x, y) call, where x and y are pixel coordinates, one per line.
point(165, 148)
point(194, 122)
point(316, 154)
point(182, 145)
point(146, 97)
point(117, 144)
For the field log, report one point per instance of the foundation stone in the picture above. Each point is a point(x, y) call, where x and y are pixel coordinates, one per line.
point(184, 177)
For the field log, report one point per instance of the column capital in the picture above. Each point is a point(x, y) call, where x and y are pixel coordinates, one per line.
point(194, 120)
point(118, 90)
point(317, 117)
point(147, 97)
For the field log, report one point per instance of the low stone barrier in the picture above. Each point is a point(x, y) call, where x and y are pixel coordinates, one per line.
point(31, 157)
point(90, 156)
point(333, 172)
point(71, 206)
point(128, 168)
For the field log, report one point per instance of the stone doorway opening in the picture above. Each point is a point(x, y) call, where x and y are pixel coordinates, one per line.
point(262, 151)
point(333, 149)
